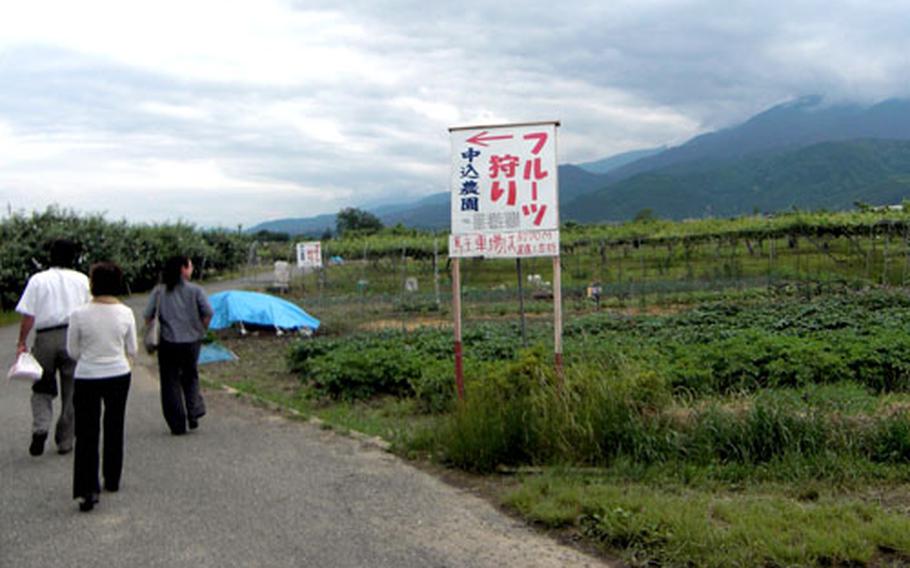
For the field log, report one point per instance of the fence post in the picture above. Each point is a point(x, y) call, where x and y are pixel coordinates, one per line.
point(885, 257)
point(521, 304)
point(401, 290)
point(436, 272)
point(906, 253)
point(771, 246)
point(363, 279)
point(869, 253)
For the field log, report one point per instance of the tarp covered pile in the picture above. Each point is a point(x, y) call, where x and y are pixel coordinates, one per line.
point(257, 309)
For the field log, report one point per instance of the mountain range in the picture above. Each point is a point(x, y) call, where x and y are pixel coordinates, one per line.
point(804, 153)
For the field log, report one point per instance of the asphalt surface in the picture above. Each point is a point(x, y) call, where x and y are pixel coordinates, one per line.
point(249, 488)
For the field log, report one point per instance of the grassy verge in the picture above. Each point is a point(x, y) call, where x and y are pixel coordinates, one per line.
point(685, 526)
point(663, 514)
point(9, 317)
point(261, 372)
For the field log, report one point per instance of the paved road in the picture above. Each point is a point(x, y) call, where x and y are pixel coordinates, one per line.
point(247, 489)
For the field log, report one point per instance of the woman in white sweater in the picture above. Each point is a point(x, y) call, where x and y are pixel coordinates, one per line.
point(101, 336)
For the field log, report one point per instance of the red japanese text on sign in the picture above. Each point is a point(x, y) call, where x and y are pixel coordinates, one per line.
point(504, 180)
point(522, 244)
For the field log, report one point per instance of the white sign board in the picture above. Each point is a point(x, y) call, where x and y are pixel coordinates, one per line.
point(504, 191)
point(309, 255)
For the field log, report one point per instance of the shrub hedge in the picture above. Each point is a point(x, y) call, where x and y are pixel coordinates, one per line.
point(140, 250)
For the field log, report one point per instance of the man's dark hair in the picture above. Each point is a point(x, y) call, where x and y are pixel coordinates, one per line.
point(63, 253)
point(106, 279)
point(172, 273)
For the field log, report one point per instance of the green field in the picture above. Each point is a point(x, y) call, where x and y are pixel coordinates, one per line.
point(727, 402)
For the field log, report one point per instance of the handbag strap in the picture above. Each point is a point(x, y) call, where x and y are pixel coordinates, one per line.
point(158, 303)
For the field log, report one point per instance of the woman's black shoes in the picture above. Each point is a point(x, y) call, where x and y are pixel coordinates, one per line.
point(88, 502)
point(36, 448)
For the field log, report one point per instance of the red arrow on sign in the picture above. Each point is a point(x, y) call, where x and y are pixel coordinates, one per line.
point(482, 138)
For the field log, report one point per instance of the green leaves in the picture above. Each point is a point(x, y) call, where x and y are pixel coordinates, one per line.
point(140, 250)
point(415, 363)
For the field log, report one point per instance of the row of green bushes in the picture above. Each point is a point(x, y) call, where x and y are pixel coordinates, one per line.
point(651, 389)
point(754, 360)
point(392, 362)
point(720, 348)
point(139, 249)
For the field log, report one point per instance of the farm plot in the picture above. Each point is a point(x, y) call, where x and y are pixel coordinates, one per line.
point(759, 427)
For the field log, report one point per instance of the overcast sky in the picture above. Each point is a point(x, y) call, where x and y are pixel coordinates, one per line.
point(235, 112)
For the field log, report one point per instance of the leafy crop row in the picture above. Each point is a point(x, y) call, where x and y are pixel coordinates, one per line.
point(394, 362)
point(647, 388)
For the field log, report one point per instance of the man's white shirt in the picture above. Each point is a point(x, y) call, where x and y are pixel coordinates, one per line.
point(52, 295)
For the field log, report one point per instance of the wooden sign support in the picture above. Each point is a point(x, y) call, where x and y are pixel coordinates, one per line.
point(557, 318)
point(486, 160)
point(456, 308)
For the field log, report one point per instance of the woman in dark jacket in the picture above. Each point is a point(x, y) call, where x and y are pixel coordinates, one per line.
point(184, 313)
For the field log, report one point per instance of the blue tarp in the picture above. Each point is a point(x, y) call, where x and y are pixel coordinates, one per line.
point(255, 308)
point(215, 353)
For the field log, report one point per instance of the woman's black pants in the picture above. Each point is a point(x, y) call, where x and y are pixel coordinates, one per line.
point(88, 397)
point(180, 395)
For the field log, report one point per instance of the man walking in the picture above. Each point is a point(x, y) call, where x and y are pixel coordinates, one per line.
point(46, 304)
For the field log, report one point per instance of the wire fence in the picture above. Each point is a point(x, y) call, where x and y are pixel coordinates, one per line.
point(400, 289)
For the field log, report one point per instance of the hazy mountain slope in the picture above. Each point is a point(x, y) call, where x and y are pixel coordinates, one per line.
point(298, 226)
point(785, 127)
point(430, 212)
point(830, 175)
point(607, 165)
point(774, 160)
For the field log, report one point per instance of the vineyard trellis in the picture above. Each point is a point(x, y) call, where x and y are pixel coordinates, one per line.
point(630, 263)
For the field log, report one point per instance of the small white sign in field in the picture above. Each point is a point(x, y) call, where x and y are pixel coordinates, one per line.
point(309, 255)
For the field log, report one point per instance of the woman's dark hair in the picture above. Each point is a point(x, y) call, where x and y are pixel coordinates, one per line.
point(106, 279)
point(63, 253)
point(172, 273)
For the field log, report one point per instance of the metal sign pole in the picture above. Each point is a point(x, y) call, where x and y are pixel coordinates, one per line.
point(456, 309)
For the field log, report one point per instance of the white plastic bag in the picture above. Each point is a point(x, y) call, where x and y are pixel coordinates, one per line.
point(25, 368)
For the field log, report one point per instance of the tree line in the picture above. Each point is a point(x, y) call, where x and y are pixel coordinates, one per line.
point(139, 249)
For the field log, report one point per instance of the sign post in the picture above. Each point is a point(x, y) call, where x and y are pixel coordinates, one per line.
point(504, 204)
point(456, 308)
point(557, 317)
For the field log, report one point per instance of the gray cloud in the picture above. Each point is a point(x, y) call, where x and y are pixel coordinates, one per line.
point(300, 109)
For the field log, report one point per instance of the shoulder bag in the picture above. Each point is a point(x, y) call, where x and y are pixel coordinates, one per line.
point(152, 336)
